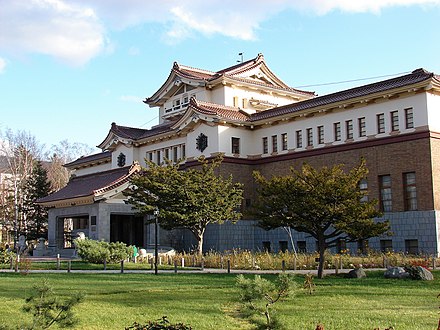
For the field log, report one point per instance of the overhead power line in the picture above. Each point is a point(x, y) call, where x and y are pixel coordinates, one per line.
point(353, 80)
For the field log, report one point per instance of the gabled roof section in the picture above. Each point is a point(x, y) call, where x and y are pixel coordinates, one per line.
point(253, 72)
point(95, 159)
point(87, 189)
point(210, 112)
point(416, 77)
point(128, 135)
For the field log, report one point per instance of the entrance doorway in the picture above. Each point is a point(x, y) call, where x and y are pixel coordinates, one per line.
point(128, 229)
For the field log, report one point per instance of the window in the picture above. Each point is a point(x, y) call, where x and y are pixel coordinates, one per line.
point(265, 146)
point(386, 245)
point(320, 134)
point(235, 101)
point(158, 157)
point(167, 153)
point(362, 127)
point(176, 104)
point(363, 186)
point(409, 118)
point(302, 246)
point(299, 140)
point(274, 143)
point(235, 145)
point(385, 193)
point(380, 123)
point(341, 245)
point(283, 246)
point(183, 150)
point(349, 129)
point(244, 101)
point(362, 246)
point(337, 131)
point(266, 246)
point(411, 246)
point(394, 121)
point(309, 137)
point(284, 141)
point(410, 192)
point(175, 154)
point(150, 156)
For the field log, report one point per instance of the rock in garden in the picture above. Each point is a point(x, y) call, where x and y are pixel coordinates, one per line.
point(357, 273)
point(419, 273)
point(396, 272)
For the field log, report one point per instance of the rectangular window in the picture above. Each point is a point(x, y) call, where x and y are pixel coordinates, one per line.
point(363, 187)
point(337, 131)
point(150, 156)
point(299, 140)
point(284, 141)
point(386, 245)
point(380, 123)
point(244, 101)
point(158, 157)
point(167, 154)
point(183, 151)
point(394, 121)
point(302, 246)
point(341, 246)
point(409, 118)
point(320, 134)
point(309, 137)
point(235, 142)
point(349, 129)
point(265, 146)
point(283, 246)
point(412, 246)
point(385, 193)
point(266, 246)
point(362, 127)
point(362, 246)
point(274, 143)
point(175, 154)
point(235, 100)
point(410, 191)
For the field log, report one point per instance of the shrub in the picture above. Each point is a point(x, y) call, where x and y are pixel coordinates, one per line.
point(6, 256)
point(162, 324)
point(99, 251)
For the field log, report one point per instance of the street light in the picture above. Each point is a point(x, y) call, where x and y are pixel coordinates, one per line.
point(156, 251)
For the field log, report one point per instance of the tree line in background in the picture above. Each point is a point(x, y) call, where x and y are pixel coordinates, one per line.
point(29, 171)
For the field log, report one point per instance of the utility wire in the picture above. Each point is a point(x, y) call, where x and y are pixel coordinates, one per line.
point(353, 80)
point(149, 121)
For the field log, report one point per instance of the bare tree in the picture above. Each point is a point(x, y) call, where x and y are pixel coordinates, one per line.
point(61, 154)
point(18, 151)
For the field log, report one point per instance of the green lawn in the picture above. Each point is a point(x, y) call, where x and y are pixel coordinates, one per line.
point(209, 301)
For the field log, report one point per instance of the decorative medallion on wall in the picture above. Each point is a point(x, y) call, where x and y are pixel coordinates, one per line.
point(201, 142)
point(121, 160)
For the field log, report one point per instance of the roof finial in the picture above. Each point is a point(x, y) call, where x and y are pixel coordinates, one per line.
point(241, 60)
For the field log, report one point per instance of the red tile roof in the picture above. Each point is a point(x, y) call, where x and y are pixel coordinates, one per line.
point(86, 185)
point(222, 111)
point(414, 77)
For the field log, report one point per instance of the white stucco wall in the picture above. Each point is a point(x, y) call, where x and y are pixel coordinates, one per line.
point(94, 169)
point(433, 104)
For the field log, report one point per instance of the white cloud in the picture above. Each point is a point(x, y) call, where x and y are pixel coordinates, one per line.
point(70, 33)
point(74, 31)
point(2, 65)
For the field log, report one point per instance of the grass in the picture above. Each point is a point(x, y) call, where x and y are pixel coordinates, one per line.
point(206, 301)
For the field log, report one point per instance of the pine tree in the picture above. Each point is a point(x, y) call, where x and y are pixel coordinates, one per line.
point(37, 186)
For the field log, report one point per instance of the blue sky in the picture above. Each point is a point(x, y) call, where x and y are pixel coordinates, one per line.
point(68, 69)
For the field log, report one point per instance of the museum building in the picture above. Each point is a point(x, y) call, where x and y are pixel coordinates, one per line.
point(259, 123)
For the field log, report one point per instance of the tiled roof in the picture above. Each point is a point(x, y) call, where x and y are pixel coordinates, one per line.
point(221, 111)
point(139, 133)
point(85, 185)
point(414, 77)
point(91, 158)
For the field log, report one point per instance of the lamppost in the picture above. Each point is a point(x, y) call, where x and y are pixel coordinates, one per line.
point(156, 250)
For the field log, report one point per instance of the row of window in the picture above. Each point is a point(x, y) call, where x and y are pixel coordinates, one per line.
point(337, 131)
point(173, 153)
point(386, 245)
point(409, 192)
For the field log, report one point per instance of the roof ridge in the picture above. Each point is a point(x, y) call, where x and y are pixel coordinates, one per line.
point(178, 66)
